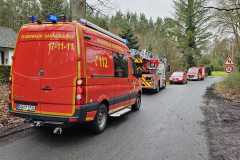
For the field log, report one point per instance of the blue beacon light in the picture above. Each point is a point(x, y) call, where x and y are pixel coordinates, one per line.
point(53, 18)
point(126, 41)
point(33, 19)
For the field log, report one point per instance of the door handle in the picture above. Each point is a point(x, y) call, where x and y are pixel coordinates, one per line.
point(130, 80)
point(41, 72)
point(47, 88)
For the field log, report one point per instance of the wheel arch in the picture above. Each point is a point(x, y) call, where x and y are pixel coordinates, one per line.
point(106, 103)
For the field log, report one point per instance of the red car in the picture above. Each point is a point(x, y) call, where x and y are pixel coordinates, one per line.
point(178, 77)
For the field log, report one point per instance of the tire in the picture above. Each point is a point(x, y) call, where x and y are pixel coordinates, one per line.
point(165, 84)
point(158, 88)
point(100, 121)
point(137, 105)
point(199, 78)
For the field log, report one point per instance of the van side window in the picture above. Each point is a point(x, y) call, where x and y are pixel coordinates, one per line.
point(120, 65)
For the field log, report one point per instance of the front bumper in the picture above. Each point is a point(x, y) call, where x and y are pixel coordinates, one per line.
point(80, 116)
point(148, 87)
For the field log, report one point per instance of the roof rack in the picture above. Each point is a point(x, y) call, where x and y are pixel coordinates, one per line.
point(95, 27)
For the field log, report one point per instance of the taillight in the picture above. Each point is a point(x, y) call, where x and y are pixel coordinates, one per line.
point(10, 91)
point(79, 92)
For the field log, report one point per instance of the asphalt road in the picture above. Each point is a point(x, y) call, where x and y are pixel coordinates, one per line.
point(168, 127)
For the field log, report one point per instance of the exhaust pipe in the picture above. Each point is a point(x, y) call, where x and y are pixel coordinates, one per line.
point(58, 131)
point(37, 123)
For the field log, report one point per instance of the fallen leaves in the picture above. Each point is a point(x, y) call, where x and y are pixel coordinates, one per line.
point(6, 120)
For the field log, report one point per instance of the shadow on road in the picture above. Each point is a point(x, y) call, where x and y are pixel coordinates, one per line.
point(76, 134)
point(151, 92)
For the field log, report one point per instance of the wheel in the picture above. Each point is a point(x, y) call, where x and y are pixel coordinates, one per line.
point(158, 88)
point(199, 78)
point(100, 121)
point(165, 84)
point(137, 105)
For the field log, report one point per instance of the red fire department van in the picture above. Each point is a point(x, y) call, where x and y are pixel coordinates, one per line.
point(72, 72)
point(196, 73)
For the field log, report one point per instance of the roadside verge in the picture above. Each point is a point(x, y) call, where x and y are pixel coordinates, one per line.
point(222, 123)
point(6, 131)
point(8, 123)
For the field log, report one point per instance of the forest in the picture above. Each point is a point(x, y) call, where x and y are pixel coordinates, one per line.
point(197, 34)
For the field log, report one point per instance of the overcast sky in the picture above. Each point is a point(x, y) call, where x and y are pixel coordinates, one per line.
point(151, 8)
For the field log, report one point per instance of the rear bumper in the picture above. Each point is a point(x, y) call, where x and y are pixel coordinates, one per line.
point(79, 116)
point(176, 81)
point(192, 77)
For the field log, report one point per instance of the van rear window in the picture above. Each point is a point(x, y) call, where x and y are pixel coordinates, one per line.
point(55, 52)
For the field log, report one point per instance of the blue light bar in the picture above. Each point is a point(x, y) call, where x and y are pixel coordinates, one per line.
point(52, 18)
point(33, 19)
point(126, 41)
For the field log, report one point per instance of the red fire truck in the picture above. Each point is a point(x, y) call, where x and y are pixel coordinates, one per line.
point(153, 70)
point(196, 73)
point(65, 73)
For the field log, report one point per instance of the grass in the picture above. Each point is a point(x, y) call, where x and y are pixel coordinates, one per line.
point(219, 74)
point(230, 86)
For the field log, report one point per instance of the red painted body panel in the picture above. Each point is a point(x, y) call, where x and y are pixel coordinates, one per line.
point(46, 48)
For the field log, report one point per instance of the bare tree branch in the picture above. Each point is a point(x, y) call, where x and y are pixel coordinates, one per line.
point(222, 9)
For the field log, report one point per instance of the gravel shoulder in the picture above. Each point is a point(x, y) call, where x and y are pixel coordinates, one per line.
point(222, 123)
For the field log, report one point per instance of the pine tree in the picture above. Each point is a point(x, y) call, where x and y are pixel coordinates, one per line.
point(192, 22)
point(15, 13)
point(128, 34)
point(56, 7)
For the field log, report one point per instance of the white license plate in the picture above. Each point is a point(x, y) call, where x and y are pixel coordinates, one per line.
point(25, 107)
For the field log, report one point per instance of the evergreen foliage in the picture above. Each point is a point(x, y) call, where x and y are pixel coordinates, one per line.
point(192, 33)
point(128, 34)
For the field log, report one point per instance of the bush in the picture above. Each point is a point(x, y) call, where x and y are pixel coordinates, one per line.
point(208, 70)
point(4, 73)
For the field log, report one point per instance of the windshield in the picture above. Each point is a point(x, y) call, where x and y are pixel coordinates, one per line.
point(177, 74)
point(193, 70)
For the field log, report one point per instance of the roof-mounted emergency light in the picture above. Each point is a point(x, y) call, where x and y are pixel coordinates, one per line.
point(33, 19)
point(126, 41)
point(52, 18)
